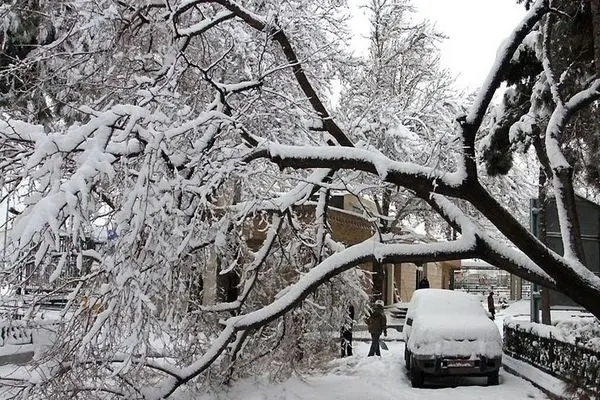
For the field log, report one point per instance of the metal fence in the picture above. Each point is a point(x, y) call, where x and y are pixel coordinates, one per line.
point(576, 365)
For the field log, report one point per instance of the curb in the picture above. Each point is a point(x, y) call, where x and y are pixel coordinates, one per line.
point(552, 394)
point(17, 358)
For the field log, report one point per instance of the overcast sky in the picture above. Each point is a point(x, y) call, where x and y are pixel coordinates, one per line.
point(475, 29)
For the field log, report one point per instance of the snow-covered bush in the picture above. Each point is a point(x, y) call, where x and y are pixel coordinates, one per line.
point(584, 331)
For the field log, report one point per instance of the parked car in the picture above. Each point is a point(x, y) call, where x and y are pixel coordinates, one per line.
point(449, 333)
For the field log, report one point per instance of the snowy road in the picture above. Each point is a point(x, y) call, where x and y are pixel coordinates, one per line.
point(362, 378)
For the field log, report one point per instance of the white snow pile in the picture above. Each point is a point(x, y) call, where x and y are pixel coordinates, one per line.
point(516, 309)
point(584, 331)
point(540, 330)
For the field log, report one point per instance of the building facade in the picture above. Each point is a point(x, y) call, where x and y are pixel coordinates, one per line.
point(350, 226)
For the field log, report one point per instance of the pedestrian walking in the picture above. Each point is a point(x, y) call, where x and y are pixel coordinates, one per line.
point(377, 324)
point(346, 332)
point(491, 306)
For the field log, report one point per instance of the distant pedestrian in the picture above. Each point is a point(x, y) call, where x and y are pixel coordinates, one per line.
point(377, 323)
point(491, 306)
point(424, 283)
point(346, 332)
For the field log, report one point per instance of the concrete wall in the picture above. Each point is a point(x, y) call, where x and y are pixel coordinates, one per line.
point(407, 284)
point(434, 275)
point(438, 275)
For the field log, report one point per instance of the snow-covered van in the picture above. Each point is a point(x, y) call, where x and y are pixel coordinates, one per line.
point(449, 333)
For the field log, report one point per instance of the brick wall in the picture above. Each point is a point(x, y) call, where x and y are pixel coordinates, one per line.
point(348, 228)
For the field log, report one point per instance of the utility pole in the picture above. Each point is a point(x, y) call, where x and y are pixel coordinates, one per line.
point(541, 234)
point(534, 213)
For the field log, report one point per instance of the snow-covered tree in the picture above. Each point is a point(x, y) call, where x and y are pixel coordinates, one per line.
point(199, 134)
point(557, 60)
point(399, 101)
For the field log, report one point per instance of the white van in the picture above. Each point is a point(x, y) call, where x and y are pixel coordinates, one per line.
point(449, 333)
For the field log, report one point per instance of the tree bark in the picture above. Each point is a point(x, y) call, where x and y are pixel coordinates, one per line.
point(595, 7)
point(378, 280)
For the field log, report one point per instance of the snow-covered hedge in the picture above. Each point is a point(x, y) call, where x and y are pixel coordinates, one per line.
point(551, 350)
point(585, 331)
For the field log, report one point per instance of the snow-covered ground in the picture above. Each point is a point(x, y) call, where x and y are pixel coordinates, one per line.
point(361, 378)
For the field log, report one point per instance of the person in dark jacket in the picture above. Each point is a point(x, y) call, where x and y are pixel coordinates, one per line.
point(346, 332)
point(377, 324)
point(424, 283)
point(491, 306)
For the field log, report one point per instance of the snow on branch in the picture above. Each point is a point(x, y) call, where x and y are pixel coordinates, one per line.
point(252, 269)
point(405, 174)
point(559, 120)
point(488, 248)
point(299, 194)
point(558, 267)
point(583, 98)
point(19, 130)
point(512, 260)
point(503, 57)
point(204, 25)
point(561, 168)
point(550, 78)
point(261, 24)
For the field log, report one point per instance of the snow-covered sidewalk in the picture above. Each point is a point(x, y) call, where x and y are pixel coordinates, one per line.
point(361, 377)
point(541, 379)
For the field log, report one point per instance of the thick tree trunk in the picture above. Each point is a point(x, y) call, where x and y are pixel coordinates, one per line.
point(378, 267)
point(569, 281)
point(378, 280)
point(595, 7)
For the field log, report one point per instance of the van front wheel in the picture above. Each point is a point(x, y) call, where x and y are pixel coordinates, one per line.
point(417, 377)
point(493, 379)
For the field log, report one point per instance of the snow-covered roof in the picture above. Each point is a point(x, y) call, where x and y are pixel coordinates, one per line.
point(475, 263)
